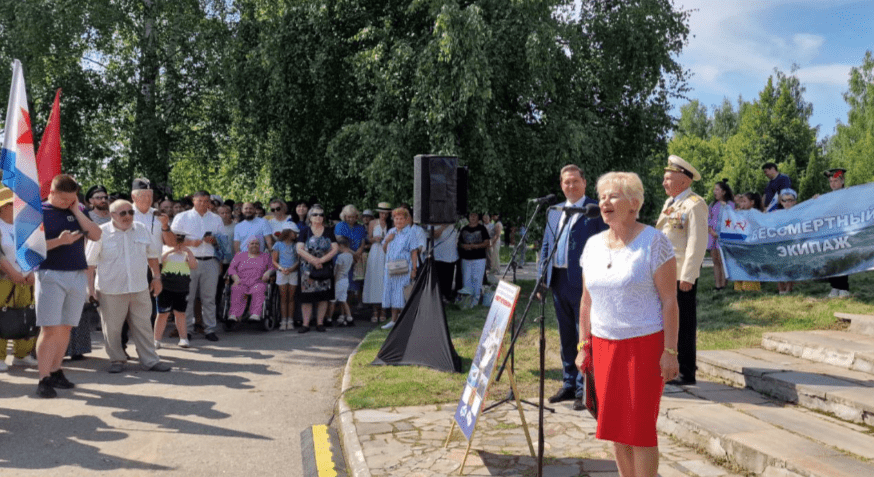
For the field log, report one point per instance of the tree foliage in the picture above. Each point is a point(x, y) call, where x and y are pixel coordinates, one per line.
point(852, 146)
point(304, 98)
point(773, 128)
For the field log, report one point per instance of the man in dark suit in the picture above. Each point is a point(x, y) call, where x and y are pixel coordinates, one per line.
point(564, 275)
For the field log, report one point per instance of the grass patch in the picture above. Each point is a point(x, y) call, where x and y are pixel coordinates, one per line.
point(726, 320)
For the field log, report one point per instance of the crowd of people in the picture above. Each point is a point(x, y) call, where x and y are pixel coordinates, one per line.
point(778, 195)
point(142, 260)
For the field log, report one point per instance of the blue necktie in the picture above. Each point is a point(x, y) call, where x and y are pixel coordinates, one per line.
point(561, 251)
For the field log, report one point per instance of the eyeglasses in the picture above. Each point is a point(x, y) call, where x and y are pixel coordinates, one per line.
point(276, 209)
point(122, 213)
point(317, 214)
point(788, 200)
point(99, 197)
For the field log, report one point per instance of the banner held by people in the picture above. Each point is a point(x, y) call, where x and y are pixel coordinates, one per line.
point(20, 174)
point(828, 236)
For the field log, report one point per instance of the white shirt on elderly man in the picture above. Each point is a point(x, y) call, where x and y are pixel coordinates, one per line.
point(121, 258)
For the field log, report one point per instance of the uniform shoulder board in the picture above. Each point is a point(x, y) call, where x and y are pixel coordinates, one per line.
point(695, 198)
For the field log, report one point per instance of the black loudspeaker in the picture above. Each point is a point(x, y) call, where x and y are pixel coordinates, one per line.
point(461, 195)
point(434, 189)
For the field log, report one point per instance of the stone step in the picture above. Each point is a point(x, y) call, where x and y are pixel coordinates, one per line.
point(762, 437)
point(847, 394)
point(837, 348)
point(861, 324)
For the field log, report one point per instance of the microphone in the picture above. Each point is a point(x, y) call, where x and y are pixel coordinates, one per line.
point(591, 211)
point(543, 200)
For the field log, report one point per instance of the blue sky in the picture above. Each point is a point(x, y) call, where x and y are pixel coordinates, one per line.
point(734, 45)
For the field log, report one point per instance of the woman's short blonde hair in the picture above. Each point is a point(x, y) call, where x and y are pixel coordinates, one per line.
point(627, 184)
point(403, 211)
point(347, 211)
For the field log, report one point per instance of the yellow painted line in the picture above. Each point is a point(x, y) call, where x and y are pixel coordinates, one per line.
point(322, 448)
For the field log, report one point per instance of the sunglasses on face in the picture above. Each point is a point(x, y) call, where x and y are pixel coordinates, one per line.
point(787, 200)
point(318, 214)
point(275, 209)
point(122, 213)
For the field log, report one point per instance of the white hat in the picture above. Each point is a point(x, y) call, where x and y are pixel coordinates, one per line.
point(288, 225)
point(678, 164)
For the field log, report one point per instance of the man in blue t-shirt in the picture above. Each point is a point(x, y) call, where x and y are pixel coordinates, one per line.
point(61, 286)
point(777, 183)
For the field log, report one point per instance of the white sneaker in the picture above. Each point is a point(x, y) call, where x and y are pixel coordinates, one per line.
point(843, 293)
point(388, 325)
point(254, 317)
point(290, 325)
point(157, 344)
point(183, 343)
point(25, 361)
point(834, 293)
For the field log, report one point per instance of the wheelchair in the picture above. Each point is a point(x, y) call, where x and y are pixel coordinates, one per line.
point(270, 312)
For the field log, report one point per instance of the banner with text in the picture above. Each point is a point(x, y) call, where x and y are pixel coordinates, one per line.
point(828, 236)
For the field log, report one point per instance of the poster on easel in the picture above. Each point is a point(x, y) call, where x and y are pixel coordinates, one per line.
point(481, 370)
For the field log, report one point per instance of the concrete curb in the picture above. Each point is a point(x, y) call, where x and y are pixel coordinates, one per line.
point(356, 465)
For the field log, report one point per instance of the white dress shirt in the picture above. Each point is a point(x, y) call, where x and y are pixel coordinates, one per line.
point(195, 226)
point(121, 258)
point(153, 225)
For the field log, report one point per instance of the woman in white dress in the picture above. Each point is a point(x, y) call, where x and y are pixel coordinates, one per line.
point(373, 277)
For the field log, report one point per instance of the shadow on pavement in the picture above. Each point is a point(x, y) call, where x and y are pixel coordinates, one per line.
point(35, 440)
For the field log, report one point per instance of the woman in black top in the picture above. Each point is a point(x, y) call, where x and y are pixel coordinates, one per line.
point(472, 243)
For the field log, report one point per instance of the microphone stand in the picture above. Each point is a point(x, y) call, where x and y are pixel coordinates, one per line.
point(511, 353)
point(540, 281)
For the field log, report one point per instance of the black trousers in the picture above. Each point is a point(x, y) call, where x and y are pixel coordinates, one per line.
point(841, 283)
point(687, 336)
point(446, 278)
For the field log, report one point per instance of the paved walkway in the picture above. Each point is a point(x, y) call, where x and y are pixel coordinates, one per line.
point(409, 441)
point(235, 407)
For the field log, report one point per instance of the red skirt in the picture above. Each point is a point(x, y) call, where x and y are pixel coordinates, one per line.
point(629, 385)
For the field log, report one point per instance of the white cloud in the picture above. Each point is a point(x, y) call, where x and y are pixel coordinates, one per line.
point(835, 74)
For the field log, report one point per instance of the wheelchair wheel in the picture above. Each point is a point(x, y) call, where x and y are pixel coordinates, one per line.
point(270, 319)
point(225, 307)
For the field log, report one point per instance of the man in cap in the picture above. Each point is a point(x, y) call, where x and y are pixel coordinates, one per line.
point(117, 266)
point(684, 221)
point(840, 285)
point(98, 199)
point(142, 195)
point(777, 182)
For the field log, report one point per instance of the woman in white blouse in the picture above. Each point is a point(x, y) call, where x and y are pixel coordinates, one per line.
point(628, 323)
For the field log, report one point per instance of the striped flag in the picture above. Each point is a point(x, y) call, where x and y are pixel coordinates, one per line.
point(19, 174)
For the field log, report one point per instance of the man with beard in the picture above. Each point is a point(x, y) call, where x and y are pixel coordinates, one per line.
point(98, 199)
point(252, 225)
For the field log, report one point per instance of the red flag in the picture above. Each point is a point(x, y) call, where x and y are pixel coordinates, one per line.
point(48, 158)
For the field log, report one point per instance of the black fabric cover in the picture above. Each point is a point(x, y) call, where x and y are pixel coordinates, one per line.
point(421, 335)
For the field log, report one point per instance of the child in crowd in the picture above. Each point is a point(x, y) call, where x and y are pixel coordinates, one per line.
point(788, 198)
point(341, 281)
point(755, 200)
point(748, 201)
point(176, 265)
point(249, 271)
point(286, 262)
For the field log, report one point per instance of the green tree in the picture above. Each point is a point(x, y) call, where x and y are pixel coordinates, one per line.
point(693, 120)
point(852, 146)
point(774, 128)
